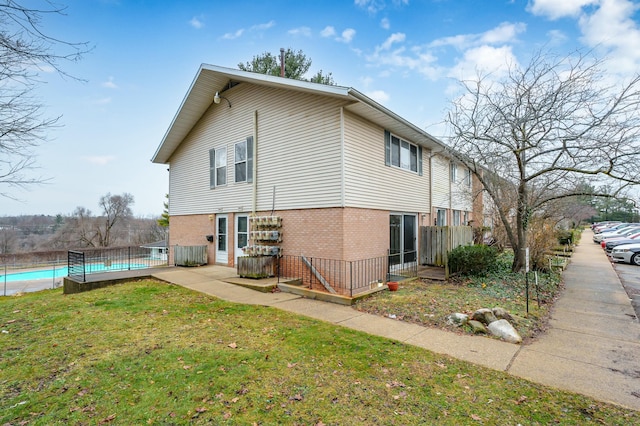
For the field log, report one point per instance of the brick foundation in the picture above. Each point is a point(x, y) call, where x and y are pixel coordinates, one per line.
point(332, 233)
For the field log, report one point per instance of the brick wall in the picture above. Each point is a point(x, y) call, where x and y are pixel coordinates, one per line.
point(191, 230)
point(331, 233)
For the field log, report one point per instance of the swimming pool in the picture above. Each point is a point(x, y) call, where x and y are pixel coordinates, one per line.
point(63, 271)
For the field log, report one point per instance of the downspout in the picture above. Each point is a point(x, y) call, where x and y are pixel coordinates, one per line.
point(450, 212)
point(254, 202)
point(431, 212)
point(342, 183)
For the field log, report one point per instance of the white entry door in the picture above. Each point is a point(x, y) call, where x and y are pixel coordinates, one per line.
point(242, 235)
point(222, 252)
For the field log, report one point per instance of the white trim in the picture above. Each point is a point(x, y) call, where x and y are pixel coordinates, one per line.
point(222, 256)
point(237, 252)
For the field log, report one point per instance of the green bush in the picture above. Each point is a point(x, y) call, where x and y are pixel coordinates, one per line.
point(473, 260)
point(564, 236)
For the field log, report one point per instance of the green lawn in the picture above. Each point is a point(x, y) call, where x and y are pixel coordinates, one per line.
point(153, 353)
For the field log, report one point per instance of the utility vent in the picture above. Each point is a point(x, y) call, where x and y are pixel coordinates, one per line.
point(190, 255)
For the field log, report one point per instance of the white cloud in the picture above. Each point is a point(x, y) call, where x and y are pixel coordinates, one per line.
point(196, 23)
point(506, 32)
point(102, 101)
point(253, 28)
point(347, 35)
point(611, 28)
point(300, 31)
point(415, 59)
point(262, 27)
point(110, 83)
point(374, 6)
point(379, 96)
point(484, 59)
point(556, 37)
point(384, 23)
point(100, 160)
point(366, 81)
point(555, 9)
point(371, 6)
point(231, 36)
point(328, 31)
point(393, 38)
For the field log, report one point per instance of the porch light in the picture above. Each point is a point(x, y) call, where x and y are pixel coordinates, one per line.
point(217, 97)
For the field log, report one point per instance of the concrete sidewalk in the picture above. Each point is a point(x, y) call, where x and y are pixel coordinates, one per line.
point(592, 347)
point(593, 344)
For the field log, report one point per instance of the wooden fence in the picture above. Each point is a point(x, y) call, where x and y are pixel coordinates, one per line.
point(437, 241)
point(189, 255)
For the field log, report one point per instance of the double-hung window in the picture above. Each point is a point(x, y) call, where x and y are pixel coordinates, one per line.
point(467, 177)
point(243, 159)
point(242, 163)
point(402, 154)
point(217, 167)
point(454, 171)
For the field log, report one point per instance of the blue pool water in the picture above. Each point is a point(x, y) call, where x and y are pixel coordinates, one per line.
point(63, 272)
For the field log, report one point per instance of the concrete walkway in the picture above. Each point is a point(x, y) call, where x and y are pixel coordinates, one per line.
point(592, 348)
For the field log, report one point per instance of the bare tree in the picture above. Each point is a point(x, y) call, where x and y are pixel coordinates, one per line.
point(532, 134)
point(8, 239)
point(82, 229)
point(115, 209)
point(24, 50)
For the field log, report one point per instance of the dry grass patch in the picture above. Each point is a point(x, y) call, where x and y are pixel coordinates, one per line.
point(428, 303)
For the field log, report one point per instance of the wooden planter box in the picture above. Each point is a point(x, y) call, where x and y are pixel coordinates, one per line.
point(257, 266)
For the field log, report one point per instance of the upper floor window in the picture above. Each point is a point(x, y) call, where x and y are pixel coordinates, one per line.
point(467, 177)
point(402, 154)
point(217, 167)
point(453, 167)
point(242, 163)
point(244, 160)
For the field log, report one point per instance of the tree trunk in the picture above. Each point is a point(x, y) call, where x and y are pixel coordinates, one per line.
point(522, 219)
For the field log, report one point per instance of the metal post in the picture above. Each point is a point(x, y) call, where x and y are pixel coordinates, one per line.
point(129, 258)
point(526, 280)
point(5, 279)
point(350, 279)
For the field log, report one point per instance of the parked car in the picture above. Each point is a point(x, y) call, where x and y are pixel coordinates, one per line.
point(628, 233)
point(606, 226)
point(615, 233)
point(611, 244)
point(627, 253)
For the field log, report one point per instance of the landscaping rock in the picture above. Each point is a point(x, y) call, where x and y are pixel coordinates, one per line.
point(457, 319)
point(502, 313)
point(484, 315)
point(477, 327)
point(504, 330)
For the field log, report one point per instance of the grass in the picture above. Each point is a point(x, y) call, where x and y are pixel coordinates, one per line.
point(152, 353)
point(428, 302)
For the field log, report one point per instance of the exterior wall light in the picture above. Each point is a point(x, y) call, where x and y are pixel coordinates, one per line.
point(217, 97)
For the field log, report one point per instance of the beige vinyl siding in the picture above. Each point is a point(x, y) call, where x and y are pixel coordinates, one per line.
point(461, 198)
point(298, 153)
point(369, 183)
point(441, 197)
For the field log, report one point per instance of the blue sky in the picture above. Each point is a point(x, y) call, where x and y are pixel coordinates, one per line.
point(405, 54)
